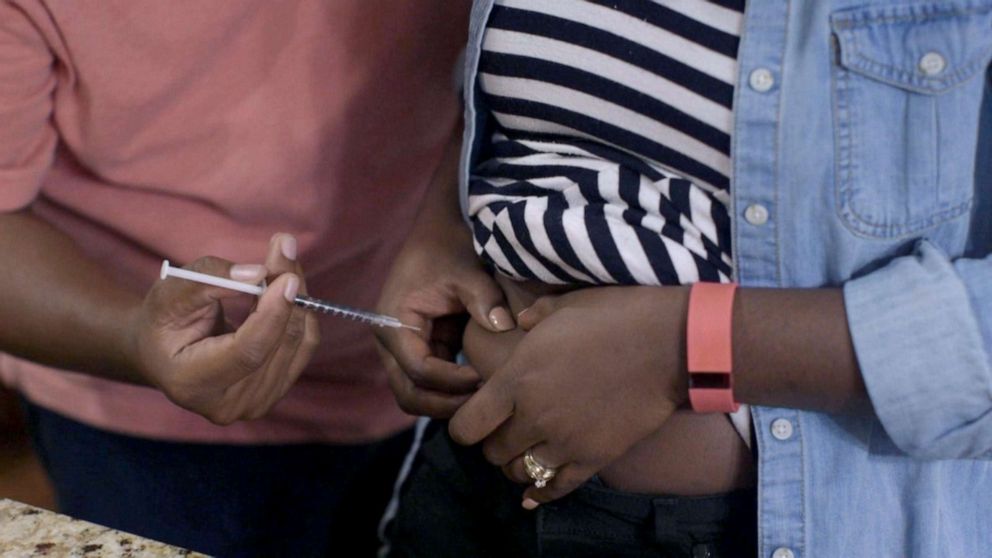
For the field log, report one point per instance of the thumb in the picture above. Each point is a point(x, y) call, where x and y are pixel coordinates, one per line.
point(484, 300)
point(529, 317)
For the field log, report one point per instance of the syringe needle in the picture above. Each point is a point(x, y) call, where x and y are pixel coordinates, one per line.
point(303, 301)
point(319, 305)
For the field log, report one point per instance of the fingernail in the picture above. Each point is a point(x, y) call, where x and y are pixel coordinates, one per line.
point(287, 244)
point(292, 286)
point(529, 504)
point(247, 272)
point(522, 313)
point(501, 319)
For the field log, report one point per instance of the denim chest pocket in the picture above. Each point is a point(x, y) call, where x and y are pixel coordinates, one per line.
point(908, 82)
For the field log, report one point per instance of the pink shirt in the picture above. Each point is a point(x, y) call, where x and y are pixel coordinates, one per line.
point(149, 130)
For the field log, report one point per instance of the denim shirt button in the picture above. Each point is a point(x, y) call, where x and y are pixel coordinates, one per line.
point(756, 214)
point(761, 80)
point(932, 63)
point(783, 553)
point(782, 429)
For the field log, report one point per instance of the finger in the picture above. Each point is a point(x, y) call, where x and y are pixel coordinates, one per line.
point(413, 355)
point(481, 414)
point(257, 393)
point(420, 402)
point(301, 337)
point(241, 400)
point(291, 339)
point(283, 368)
point(568, 478)
point(426, 403)
point(311, 341)
point(446, 377)
point(516, 470)
point(252, 397)
point(484, 300)
point(282, 256)
point(510, 440)
point(304, 353)
point(251, 346)
point(529, 317)
point(407, 348)
point(248, 273)
point(303, 325)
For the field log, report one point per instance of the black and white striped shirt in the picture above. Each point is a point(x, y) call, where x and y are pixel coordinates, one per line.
point(610, 162)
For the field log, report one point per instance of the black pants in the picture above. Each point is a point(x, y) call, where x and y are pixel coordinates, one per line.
point(456, 504)
point(224, 500)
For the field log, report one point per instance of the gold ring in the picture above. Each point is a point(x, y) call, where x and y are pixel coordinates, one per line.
point(535, 470)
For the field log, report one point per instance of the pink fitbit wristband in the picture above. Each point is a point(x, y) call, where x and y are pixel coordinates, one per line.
point(708, 347)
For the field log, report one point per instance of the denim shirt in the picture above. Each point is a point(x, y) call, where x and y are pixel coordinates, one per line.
point(862, 153)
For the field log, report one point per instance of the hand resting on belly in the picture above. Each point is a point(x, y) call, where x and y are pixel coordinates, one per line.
point(691, 454)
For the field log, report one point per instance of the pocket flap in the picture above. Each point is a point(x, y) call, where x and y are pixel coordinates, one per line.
point(927, 48)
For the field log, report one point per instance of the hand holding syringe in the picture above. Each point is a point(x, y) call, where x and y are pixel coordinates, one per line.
point(303, 301)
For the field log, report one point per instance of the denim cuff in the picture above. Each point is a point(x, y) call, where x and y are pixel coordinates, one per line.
point(922, 355)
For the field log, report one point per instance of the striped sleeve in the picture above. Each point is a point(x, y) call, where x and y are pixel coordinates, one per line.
point(576, 217)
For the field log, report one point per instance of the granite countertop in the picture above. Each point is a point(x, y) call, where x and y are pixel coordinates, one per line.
point(29, 531)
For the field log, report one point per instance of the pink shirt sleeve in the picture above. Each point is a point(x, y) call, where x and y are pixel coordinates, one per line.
point(27, 83)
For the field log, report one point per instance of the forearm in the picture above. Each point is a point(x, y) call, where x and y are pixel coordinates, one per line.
point(439, 214)
point(920, 329)
point(57, 307)
point(792, 348)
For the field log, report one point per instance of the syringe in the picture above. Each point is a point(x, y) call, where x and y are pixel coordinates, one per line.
point(303, 301)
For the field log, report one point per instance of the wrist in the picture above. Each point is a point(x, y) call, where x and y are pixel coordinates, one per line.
point(126, 355)
point(668, 320)
point(793, 348)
